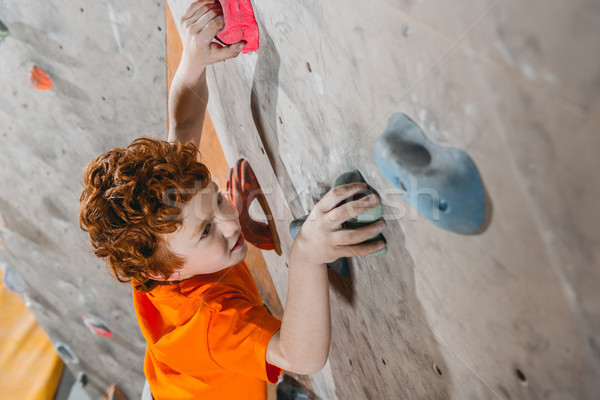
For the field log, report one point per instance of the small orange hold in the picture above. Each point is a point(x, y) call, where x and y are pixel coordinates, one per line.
point(40, 79)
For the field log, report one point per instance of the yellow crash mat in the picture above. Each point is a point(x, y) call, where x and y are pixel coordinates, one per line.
point(29, 365)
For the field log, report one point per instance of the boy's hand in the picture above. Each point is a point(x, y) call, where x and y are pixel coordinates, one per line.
point(199, 26)
point(323, 240)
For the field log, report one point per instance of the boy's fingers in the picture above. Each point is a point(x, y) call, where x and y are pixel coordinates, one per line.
point(352, 209)
point(214, 23)
point(350, 237)
point(194, 7)
point(338, 194)
point(362, 249)
point(221, 53)
point(209, 16)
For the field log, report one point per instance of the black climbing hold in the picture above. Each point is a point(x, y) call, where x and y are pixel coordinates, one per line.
point(290, 389)
point(3, 31)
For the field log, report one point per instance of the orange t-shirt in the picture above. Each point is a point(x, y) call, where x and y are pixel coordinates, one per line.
point(207, 337)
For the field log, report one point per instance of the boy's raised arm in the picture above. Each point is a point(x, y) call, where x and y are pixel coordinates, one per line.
point(189, 94)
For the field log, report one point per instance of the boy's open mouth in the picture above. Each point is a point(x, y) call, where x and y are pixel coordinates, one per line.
point(239, 243)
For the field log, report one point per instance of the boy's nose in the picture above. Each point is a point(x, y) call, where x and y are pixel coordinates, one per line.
point(230, 227)
point(229, 221)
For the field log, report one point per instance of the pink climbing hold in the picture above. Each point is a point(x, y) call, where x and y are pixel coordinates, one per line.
point(239, 24)
point(97, 326)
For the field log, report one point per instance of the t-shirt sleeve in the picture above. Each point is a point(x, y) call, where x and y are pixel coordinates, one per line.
point(238, 335)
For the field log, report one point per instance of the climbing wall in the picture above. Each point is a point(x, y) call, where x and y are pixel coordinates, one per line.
point(509, 313)
point(106, 63)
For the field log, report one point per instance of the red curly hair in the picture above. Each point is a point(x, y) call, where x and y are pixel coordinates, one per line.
point(131, 198)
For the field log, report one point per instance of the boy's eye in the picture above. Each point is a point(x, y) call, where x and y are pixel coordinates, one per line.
point(206, 231)
point(219, 198)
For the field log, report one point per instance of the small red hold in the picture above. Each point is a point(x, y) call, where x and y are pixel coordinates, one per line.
point(97, 326)
point(40, 79)
point(239, 24)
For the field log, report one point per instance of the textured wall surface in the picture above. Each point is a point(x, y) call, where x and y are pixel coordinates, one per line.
point(106, 61)
point(511, 313)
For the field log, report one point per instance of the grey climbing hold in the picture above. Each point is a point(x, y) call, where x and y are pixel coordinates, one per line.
point(441, 183)
point(13, 281)
point(66, 353)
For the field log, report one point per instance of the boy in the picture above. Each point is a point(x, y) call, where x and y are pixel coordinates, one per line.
point(153, 213)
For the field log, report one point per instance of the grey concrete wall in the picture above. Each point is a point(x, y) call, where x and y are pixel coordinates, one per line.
point(106, 60)
point(512, 313)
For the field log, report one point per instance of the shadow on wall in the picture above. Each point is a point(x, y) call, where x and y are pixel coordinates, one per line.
point(263, 105)
point(385, 341)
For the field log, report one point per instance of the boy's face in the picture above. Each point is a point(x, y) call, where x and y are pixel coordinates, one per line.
point(210, 237)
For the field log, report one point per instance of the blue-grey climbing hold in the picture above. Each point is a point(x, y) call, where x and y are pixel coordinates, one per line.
point(441, 183)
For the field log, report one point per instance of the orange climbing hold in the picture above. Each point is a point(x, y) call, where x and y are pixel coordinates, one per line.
point(242, 189)
point(40, 79)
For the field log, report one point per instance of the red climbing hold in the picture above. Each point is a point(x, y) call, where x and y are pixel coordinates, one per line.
point(242, 189)
point(39, 78)
point(96, 325)
point(239, 24)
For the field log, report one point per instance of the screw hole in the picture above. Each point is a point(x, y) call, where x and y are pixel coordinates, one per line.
point(521, 376)
point(159, 28)
point(437, 369)
point(383, 361)
point(443, 205)
point(263, 150)
point(280, 120)
point(128, 68)
point(401, 185)
point(350, 361)
point(308, 66)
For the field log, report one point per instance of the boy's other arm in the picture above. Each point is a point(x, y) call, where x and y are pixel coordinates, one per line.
point(302, 344)
point(188, 95)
